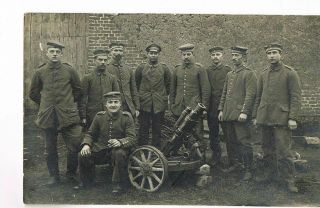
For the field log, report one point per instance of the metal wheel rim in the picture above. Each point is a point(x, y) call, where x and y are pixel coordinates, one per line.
point(147, 168)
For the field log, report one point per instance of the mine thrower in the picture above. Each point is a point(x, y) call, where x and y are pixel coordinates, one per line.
point(183, 131)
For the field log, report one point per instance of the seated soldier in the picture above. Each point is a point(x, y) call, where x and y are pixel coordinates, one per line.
point(109, 139)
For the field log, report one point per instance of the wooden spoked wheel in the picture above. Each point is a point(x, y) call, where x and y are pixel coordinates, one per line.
point(147, 168)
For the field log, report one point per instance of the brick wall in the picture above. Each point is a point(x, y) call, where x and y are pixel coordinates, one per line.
point(102, 31)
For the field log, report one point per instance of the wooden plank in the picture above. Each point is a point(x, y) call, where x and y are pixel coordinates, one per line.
point(71, 25)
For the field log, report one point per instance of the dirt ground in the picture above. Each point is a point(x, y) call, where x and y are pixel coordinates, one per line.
point(226, 189)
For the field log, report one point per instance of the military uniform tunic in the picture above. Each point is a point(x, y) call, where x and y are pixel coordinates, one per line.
point(153, 83)
point(95, 85)
point(127, 86)
point(189, 86)
point(217, 75)
point(238, 97)
point(56, 88)
point(278, 100)
point(104, 127)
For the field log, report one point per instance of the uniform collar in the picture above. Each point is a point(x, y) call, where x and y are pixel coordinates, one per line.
point(190, 65)
point(115, 63)
point(238, 68)
point(54, 65)
point(100, 71)
point(113, 116)
point(214, 66)
point(276, 67)
point(153, 65)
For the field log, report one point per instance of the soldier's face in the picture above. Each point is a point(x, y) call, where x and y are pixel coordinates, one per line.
point(113, 105)
point(153, 56)
point(216, 57)
point(187, 56)
point(236, 58)
point(54, 54)
point(117, 52)
point(274, 56)
point(101, 61)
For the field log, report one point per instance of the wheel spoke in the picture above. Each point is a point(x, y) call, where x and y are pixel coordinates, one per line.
point(150, 182)
point(137, 176)
point(157, 169)
point(143, 157)
point(135, 168)
point(156, 177)
point(137, 160)
point(154, 162)
point(149, 156)
point(142, 182)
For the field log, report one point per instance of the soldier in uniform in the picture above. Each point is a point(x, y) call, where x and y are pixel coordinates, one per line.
point(153, 83)
point(95, 85)
point(217, 73)
point(235, 108)
point(56, 87)
point(277, 106)
point(189, 86)
point(109, 139)
point(126, 80)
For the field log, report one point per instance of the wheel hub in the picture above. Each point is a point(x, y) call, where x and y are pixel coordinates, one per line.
point(146, 169)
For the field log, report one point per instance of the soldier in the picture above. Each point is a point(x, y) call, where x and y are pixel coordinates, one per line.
point(278, 103)
point(109, 139)
point(235, 108)
point(126, 80)
point(56, 87)
point(95, 85)
point(217, 73)
point(153, 83)
point(189, 86)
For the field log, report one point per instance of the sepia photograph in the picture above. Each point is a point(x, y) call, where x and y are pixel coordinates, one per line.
point(171, 109)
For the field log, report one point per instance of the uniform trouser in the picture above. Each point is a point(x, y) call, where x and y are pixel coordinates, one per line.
point(145, 118)
point(213, 124)
point(238, 143)
point(72, 138)
point(276, 145)
point(117, 157)
point(198, 130)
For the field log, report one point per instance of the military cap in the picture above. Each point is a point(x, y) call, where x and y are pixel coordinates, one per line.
point(54, 44)
point(100, 51)
point(153, 47)
point(186, 47)
point(112, 95)
point(116, 44)
point(216, 49)
point(273, 46)
point(240, 49)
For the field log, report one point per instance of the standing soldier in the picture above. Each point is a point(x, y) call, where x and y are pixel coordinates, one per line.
point(153, 83)
point(235, 108)
point(56, 87)
point(278, 104)
point(109, 139)
point(126, 80)
point(217, 73)
point(189, 86)
point(95, 85)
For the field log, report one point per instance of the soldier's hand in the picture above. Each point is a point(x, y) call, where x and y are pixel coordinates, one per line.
point(292, 124)
point(254, 122)
point(137, 113)
point(114, 143)
point(220, 116)
point(85, 151)
point(242, 117)
point(84, 121)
